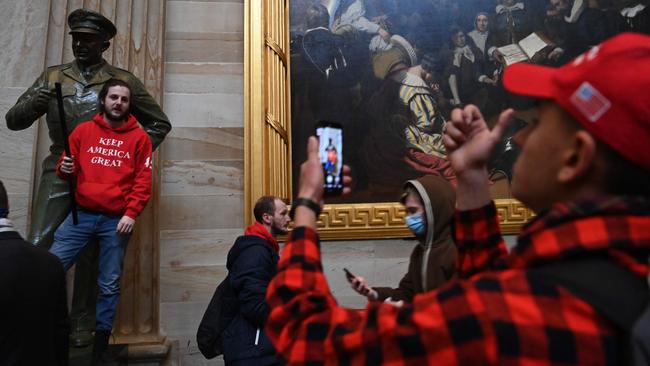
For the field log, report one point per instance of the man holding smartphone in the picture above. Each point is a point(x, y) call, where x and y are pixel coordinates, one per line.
point(584, 169)
point(429, 202)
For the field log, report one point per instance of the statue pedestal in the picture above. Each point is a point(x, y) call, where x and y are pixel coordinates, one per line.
point(151, 353)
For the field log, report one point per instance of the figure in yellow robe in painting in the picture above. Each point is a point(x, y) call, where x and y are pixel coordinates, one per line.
point(405, 129)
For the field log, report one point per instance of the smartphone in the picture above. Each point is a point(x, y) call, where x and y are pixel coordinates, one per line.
point(330, 137)
point(348, 275)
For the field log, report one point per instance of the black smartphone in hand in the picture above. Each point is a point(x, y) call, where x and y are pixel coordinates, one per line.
point(330, 149)
point(349, 275)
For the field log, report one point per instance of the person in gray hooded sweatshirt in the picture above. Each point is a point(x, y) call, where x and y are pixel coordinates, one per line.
point(429, 203)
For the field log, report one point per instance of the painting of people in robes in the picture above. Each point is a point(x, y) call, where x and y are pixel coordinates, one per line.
point(391, 71)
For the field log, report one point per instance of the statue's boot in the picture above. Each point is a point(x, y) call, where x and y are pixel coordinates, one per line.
point(84, 298)
point(101, 354)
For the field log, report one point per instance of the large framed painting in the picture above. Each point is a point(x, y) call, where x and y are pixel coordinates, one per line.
point(390, 72)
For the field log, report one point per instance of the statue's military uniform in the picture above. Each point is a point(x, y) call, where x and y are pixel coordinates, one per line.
point(80, 100)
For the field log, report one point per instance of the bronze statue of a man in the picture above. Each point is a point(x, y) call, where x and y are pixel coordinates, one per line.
point(81, 80)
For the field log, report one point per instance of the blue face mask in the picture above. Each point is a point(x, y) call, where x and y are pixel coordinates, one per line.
point(416, 223)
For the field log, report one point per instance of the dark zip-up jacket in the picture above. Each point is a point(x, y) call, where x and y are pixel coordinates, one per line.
point(252, 262)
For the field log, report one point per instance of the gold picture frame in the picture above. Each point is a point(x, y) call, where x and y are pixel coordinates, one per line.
point(267, 136)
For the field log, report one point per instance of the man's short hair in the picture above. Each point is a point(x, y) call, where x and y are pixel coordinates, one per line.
point(4, 201)
point(104, 92)
point(622, 176)
point(264, 205)
point(453, 31)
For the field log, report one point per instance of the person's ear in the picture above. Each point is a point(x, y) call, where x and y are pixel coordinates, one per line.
point(267, 219)
point(578, 158)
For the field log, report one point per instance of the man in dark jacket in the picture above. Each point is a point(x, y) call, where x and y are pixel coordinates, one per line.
point(429, 202)
point(33, 311)
point(252, 263)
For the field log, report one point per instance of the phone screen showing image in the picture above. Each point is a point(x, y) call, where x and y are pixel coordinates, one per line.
point(330, 136)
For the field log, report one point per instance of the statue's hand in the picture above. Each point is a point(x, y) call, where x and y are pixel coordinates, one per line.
point(42, 99)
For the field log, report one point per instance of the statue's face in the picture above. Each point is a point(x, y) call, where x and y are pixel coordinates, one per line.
point(88, 48)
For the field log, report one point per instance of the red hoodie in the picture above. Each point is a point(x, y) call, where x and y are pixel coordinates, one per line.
point(112, 166)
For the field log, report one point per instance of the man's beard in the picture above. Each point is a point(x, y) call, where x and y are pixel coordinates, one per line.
point(275, 231)
point(117, 116)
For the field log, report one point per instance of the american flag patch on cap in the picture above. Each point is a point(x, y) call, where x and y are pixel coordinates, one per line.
point(590, 102)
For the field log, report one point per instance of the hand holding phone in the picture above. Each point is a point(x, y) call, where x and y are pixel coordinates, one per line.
point(359, 285)
point(349, 275)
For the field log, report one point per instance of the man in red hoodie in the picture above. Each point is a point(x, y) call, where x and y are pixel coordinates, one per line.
point(111, 164)
point(252, 263)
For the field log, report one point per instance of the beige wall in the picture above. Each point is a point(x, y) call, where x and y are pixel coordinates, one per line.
point(202, 161)
point(22, 40)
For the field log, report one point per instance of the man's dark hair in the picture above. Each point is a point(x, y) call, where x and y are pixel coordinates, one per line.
point(622, 177)
point(109, 84)
point(264, 205)
point(317, 16)
point(4, 201)
point(431, 63)
point(453, 31)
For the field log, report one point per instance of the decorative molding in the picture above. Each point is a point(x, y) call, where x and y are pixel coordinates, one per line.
point(363, 221)
point(275, 124)
point(276, 48)
point(267, 136)
point(512, 215)
point(386, 220)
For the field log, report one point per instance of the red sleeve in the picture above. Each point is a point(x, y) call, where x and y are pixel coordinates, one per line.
point(307, 326)
point(141, 190)
point(478, 238)
point(495, 318)
point(73, 140)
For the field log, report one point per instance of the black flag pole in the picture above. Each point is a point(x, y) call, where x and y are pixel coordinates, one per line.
point(66, 146)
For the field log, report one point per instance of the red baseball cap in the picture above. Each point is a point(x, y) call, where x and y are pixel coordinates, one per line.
point(607, 89)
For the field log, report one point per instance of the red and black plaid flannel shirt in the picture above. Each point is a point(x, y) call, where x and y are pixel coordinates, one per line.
point(496, 313)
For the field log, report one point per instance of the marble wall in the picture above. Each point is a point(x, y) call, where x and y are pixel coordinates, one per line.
point(22, 39)
point(202, 161)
